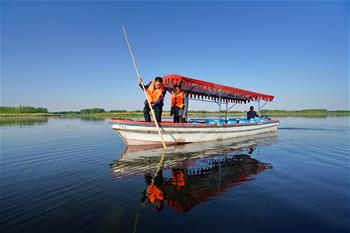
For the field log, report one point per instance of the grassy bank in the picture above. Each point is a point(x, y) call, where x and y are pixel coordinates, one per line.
point(27, 114)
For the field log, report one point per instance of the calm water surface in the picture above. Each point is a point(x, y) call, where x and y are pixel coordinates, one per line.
point(73, 175)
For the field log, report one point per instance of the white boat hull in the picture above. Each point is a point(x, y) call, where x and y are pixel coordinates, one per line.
point(140, 133)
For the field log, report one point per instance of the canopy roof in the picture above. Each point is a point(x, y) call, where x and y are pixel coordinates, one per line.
point(208, 90)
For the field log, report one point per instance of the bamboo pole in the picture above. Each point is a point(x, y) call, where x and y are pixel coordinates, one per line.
point(144, 89)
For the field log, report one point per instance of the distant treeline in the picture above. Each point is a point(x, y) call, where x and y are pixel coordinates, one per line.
point(306, 112)
point(92, 110)
point(100, 112)
point(22, 109)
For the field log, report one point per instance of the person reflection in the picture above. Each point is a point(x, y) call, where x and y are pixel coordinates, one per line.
point(153, 192)
point(178, 178)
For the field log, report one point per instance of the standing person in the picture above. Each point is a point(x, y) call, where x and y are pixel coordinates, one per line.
point(177, 104)
point(251, 114)
point(155, 92)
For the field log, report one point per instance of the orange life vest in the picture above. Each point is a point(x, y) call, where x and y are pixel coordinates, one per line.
point(177, 100)
point(153, 94)
point(178, 178)
point(154, 194)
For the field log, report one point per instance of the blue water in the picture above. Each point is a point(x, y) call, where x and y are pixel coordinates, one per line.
point(73, 175)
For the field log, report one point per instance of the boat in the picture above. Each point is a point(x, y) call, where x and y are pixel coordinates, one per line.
point(136, 132)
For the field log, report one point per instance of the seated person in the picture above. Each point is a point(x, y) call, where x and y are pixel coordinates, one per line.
point(251, 114)
point(177, 104)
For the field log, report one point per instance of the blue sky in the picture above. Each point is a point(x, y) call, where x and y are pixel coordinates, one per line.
point(71, 55)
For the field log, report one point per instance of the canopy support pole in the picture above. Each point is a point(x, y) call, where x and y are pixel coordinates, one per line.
point(219, 103)
point(231, 107)
point(186, 107)
point(260, 107)
point(263, 105)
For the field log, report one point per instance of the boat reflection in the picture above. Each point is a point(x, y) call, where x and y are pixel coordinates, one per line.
point(193, 174)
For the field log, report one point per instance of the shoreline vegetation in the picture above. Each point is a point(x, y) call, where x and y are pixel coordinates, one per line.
point(29, 111)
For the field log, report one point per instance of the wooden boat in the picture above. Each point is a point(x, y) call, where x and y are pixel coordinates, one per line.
point(145, 133)
point(199, 130)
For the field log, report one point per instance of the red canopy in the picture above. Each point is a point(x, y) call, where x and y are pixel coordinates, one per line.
point(202, 89)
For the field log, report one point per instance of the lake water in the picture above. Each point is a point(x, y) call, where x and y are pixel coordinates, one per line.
point(73, 175)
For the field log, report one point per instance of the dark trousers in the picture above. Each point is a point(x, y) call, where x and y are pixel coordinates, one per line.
point(177, 117)
point(157, 111)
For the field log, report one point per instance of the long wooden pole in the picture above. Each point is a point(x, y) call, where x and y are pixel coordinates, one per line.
point(144, 89)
